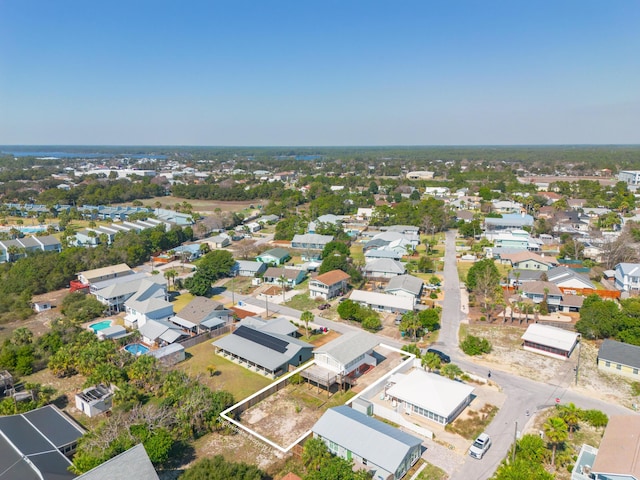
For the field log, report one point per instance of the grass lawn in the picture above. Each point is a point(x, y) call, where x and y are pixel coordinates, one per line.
point(357, 254)
point(231, 377)
point(314, 399)
point(431, 472)
point(181, 301)
point(302, 302)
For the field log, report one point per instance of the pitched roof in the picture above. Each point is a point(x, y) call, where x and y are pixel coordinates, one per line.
point(619, 352)
point(631, 269)
point(430, 391)
point(133, 463)
point(382, 299)
point(523, 256)
point(386, 265)
point(110, 270)
point(30, 443)
point(407, 283)
point(378, 442)
point(349, 346)
point(332, 277)
point(550, 336)
point(269, 350)
point(562, 274)
point(276, 253)
point(538, 287)
point(198, 309)
point(289, 273)
point(619, 452)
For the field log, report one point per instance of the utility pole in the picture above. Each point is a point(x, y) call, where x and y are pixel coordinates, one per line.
point(233, 293)
point(579, 352)
point(515, 439)
point(266, 302)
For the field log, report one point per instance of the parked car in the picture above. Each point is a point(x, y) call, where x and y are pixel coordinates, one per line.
point(324, 306)
point(444, 358)
point(480, 446)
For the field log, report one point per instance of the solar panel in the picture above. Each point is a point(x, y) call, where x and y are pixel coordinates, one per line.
point(262, 338)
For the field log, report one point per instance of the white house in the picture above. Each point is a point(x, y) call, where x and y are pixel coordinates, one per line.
point(95, 400)
point(627, 277)
point(329, 284)
point(146, 304)
point(405, 286)
point(383, 302)
point(384, 268)
point(550, 341)
point(347, 353)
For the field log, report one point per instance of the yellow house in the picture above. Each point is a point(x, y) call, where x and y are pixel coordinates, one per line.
point(619, 358)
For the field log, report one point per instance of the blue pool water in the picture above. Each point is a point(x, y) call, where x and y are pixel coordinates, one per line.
point(96, 327)
point(32, 229)
point(136, 349)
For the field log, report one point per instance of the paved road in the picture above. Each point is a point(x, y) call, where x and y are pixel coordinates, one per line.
point(521, 394)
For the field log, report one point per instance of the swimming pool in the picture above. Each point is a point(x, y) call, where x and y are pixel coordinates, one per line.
point(136, 349)
point(96, 327)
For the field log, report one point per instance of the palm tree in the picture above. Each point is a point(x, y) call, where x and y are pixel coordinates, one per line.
point(283, 283)
point(431, 361)
point(306, 317)
point(170, 275)
point(451, 371)
point(555, 429)
point(571, 416)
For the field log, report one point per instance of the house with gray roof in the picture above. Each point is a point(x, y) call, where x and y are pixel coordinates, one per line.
point(36, 445)
point(267, 353)
point(508, 221)
point(132, 463)
point(382, 252)
point(383, 268)
point(248, 268)
point(275, 256)
point(387, 452)
point(619, 358)
point(292, 276)
point(202, 315)
point(11, 250)
point(113, 293)
point(405, 286)
point(564, 277)
point(347, 353)
point(280, 325)
point(627, 277)
point(160, 332)
point(147, 304)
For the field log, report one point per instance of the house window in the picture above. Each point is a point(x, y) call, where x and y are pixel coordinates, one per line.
point(618, 367)
point(364, 461)
point(635, 371)
point(607, 363)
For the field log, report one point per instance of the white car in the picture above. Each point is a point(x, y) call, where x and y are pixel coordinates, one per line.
point(480, 446)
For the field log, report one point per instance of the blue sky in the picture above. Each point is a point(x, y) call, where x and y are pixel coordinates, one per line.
point(347, 72)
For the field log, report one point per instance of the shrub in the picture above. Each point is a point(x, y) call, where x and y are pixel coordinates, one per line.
point(475, 345)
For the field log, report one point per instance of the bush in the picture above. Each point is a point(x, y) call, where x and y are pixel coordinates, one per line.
point(475, 345)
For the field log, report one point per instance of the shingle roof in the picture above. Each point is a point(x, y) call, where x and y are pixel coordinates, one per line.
point(378, 442)
point(538, 287)
point(619, 452)
point(289, 273)
point(332, 277)
point(277, 253)
point(385, 265)
point(408, 283)
point(619, 352)
point(198, 309)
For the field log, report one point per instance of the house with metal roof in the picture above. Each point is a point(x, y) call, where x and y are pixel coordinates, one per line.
point(550, 341)
point(202, 315)
point(113, 293)
point(627, 277)
point(279, 325)
point(382, 252)
point(11, 250)
point(329, 285)
point(274, 256)
point(383, 268)
point(383, 302)
point(387, 452)
point(508, 221)
point(147, 304)
point(169, 355)
point(132, 463)
point(564, 277)
point(106, 273)
point(94, 400)
point(619, 358)
point(405, 286)
point(36, 445)
point(248, 268)
point(160, 332)
point(347, 353)
point(429, 395)
point(267, 353)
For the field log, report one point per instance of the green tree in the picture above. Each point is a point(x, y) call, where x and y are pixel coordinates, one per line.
point(315, 454)
point(571, 416)
point(431, 361)
point(451, 371)
point(306, 317)
point(556, 431)
point(473, 345)
point(334, 262)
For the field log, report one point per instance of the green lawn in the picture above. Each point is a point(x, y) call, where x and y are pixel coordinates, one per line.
point(357, 254)
point(231, 377)
point(302, 302)
point(431, 472)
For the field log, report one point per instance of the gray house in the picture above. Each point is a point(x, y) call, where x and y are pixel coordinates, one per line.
point(388, 453)
point(384, 268)
point(202, 315)
point(265, 352)
point(275, 256)
point(405, 286)
point(247, 268)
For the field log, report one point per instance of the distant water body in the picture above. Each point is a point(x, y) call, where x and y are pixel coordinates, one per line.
point(19, 154)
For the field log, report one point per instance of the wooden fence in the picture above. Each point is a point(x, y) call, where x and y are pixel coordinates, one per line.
point(203, 337)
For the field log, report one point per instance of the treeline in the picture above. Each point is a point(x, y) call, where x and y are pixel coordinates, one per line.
point(42, 272)
point(429, 214)
point(605, 319)
point(228, 191)
point(102, 192)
